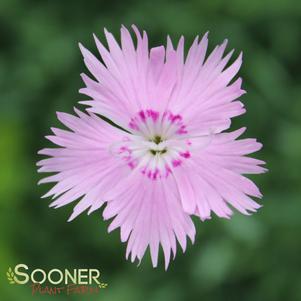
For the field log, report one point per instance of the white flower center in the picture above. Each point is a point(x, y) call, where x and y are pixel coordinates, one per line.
point(159, 143)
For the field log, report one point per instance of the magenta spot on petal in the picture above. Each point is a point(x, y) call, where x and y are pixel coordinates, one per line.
point(142, 115)
point(176, 163)
point(132, 164)
point(153, 115)
point(124, 149)
point(126, 153)
point(156, 174)
point(176, 118)
point(168, 170)
point(181, 130)
point(185, 154)
point(134, 126)
point(170, 116)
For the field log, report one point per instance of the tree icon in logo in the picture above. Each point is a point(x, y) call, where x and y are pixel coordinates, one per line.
point(10, 276)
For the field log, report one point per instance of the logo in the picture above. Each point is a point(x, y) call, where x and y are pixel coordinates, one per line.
point(56, 281)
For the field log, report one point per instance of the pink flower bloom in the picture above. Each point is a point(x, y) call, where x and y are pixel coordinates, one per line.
point(171, 159)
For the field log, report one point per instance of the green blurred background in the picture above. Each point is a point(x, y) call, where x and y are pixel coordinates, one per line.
point(247, 258)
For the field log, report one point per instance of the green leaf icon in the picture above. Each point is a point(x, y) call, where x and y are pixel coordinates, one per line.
point(10, 276)
point(103, 285)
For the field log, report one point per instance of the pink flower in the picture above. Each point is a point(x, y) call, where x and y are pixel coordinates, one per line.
point(168, 159)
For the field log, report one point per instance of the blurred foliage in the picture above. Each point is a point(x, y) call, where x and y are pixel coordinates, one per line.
point(246, 258)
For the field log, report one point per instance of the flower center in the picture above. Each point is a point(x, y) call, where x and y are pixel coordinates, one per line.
point(157, 139)
point(158, 149)
point(158, 144)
